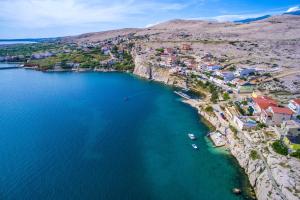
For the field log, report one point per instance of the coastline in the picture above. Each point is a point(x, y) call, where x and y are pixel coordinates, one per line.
point(257, 171)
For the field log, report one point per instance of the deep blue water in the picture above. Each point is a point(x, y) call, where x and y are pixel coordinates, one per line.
point(72, 136)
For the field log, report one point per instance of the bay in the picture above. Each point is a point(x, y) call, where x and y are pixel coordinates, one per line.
point(105, 136)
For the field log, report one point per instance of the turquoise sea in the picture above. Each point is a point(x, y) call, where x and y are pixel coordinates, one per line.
point(77, 136)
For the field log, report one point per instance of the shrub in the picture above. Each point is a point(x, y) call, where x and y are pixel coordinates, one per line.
point(233, 129)
point(280, 148)
point(254, 155)
point(296, 154)
point(226, 96)
point(209, 109)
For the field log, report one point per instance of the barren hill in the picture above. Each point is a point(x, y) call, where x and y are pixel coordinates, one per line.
point(272, 43)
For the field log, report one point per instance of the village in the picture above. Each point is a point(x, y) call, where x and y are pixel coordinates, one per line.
point(237, 98)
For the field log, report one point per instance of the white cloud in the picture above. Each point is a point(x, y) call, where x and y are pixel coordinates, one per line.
point(51, 13)
point(293, 9)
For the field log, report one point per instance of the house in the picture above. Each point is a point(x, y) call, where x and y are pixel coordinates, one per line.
point(246, 87)
point(294, 105)
point(171, 60)
point(186, 47)
point(225, 75)
point(168, 51)
point(262, 103)
point(274, 115)
point(244, 72)
point(290, 127)
point(291, 134)
point(213, 67)
point(244, 122)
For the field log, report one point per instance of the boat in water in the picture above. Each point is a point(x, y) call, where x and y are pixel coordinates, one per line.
point(192, 136)
point(194, 146)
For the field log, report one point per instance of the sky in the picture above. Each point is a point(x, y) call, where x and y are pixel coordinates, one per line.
point(53, 18)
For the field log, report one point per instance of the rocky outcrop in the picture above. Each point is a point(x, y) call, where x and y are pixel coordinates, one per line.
point(161, 74)
point(272, 176)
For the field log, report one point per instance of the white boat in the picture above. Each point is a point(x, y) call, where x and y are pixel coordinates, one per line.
point(194, 146)
point(192, 136)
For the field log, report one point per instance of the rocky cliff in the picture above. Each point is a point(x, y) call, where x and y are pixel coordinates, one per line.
point(161, 74)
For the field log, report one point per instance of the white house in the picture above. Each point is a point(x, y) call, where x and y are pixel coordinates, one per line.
point(244, 122)
point(294, 105)
point(244, 72)
point(227, 76)
point(213, 67)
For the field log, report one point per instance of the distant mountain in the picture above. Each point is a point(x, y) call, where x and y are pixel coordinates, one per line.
point(292, 13)
point(29, 40)
point(252, 19)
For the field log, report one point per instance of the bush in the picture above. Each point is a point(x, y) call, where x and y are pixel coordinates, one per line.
point(209, 109)
point(260, 125)
point(254, 155)
point(226, 96)
point(296, 154)
point(280, 148)
point(233, 129)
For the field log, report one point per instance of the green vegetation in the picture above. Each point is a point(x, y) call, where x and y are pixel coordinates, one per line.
point(126, 63)
point(280, 148)
point(232, 68)
point(260, 125)
point(296, 154)
point(160, 50)
point(28, 49)
point(211, 88)
point(254, 155)
point(85, 59)
point(226, 96)
point(298, 117)
point(233, 129)
point(209, 109)
point(238, 107)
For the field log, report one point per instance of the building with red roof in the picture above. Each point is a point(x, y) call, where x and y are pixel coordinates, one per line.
point(275, 115)
point(263, 102)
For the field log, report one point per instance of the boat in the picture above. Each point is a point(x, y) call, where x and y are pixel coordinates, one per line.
point(192, 136)
point(236, 191)
point(194, 146)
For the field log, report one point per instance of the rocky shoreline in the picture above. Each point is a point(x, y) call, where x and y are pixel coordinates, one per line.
point(273, 177)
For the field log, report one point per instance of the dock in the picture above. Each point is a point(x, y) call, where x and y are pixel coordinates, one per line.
point(15, 67)
point(217, 138)
point(183, 95)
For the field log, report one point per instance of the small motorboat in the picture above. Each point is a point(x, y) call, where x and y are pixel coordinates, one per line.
point(236, 191)
point(192, 136)
point(194, 146)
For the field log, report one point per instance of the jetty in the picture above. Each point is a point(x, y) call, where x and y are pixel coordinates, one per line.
point(14, 67)
point(217, 138)
point(183, 95)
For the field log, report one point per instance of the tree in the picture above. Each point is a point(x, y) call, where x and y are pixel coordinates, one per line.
point(226, 96)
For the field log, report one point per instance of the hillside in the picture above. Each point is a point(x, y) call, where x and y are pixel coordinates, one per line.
point(272, 43)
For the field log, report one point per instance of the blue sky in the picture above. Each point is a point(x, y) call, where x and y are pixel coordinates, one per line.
point(51, 18)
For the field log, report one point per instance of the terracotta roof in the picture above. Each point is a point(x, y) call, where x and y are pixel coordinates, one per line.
point(281, 110)
point(264, 102)
point(297, 101)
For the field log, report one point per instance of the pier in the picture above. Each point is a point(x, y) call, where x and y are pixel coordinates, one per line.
point(15, 67)
point(217, 138)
